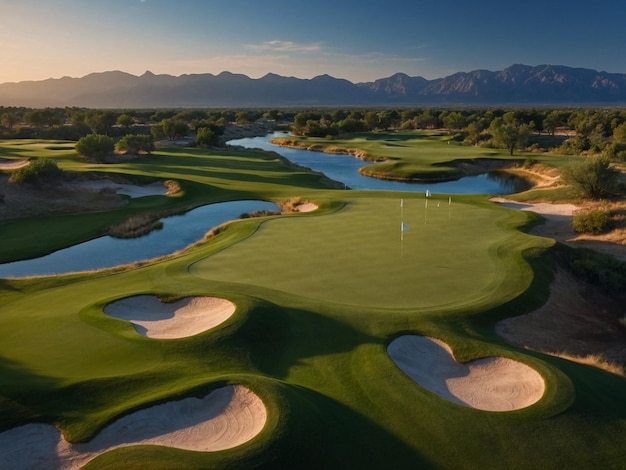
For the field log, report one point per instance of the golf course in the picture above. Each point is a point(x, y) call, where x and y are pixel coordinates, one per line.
point(355, 329)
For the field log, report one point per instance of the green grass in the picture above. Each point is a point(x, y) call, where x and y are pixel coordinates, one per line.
point(319, 296)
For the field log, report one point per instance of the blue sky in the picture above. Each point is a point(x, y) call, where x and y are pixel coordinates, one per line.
point(357, 40)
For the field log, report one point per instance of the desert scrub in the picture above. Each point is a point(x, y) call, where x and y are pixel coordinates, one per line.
point(37, 171)
point(136, 226)
point(593, 221)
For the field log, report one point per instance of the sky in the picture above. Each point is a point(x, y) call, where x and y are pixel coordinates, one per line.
point(359, 40)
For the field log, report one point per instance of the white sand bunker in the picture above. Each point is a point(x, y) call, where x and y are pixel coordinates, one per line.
point(228, 417)
point(490, 384)
point(306, 207)
point(185, 317)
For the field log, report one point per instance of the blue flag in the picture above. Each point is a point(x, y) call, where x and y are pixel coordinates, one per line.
point(404, 227)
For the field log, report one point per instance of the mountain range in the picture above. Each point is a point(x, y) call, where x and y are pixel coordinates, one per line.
point(517, 84)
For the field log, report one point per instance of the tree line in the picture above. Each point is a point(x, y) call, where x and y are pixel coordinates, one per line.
point(572, 131)
point(579, 131)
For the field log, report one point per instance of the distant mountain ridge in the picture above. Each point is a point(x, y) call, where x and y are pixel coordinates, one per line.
point(517, 84)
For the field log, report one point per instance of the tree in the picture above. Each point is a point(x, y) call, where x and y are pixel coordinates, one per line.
point(42, 118)
point(125, 120)
point(619, 134)
point(592, 177)
point(9, 120)
point(170, 128)
point(243, 117)
point(101, 122)
point(205, 137)
point(552, 121)
point(95, 146)
point(509, 133)
point(453, 120)
point(135, 144)
point(473, 131)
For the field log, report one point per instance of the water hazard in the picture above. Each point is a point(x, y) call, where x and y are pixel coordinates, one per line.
point(177, 233)
point(345, 169)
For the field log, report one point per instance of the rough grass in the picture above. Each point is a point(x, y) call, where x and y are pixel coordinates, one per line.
point(595, 360)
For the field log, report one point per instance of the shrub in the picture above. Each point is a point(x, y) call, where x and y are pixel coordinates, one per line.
point(136, 226)
point(597, 268)
point(36, 171)
point(95, 146)
point(592, 221)
point(136, 143)
point(592, 177)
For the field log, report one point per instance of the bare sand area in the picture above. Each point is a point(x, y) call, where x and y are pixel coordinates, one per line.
point(578, 322)
point(306, 207)
point(170, 320)
point(227, 417)
point(132, 190)
point(489, 384)
point(12, 164)
point(592, 334)
point(558, 225)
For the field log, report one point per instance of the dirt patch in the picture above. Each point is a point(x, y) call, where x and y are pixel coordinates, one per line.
point(578, 320)
point(53, 199)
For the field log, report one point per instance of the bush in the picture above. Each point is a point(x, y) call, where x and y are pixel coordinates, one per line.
point(95, 146)
point(36, 171)
point(592, 177)
point(592, 221)
point(136, 143)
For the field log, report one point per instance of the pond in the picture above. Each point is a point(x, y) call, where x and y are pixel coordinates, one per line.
point(345, 169)
point(178, 232)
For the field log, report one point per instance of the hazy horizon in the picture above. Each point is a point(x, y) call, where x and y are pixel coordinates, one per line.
point(352, 40)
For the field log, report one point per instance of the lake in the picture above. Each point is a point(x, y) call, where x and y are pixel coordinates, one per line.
point(345, 169)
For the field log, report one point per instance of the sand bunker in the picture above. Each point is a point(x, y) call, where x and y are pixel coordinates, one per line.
point(490, 384)
point(546, 209)
point(306, 207)
point(186, 317)
point(226, 418)
point(132, 190)
point(12, 164)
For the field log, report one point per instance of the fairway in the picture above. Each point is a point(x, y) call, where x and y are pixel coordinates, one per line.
point(358, 255)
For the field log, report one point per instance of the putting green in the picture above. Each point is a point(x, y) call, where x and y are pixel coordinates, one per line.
point(358, 256)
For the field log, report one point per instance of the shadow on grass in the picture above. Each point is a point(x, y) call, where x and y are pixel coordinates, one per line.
point(316, 432)
point(19, 393)
point(281, 339)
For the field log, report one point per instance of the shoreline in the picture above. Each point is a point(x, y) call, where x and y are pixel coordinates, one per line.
point(465, 167)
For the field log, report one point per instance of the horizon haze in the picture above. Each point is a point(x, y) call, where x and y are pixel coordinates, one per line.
point(356, 41)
